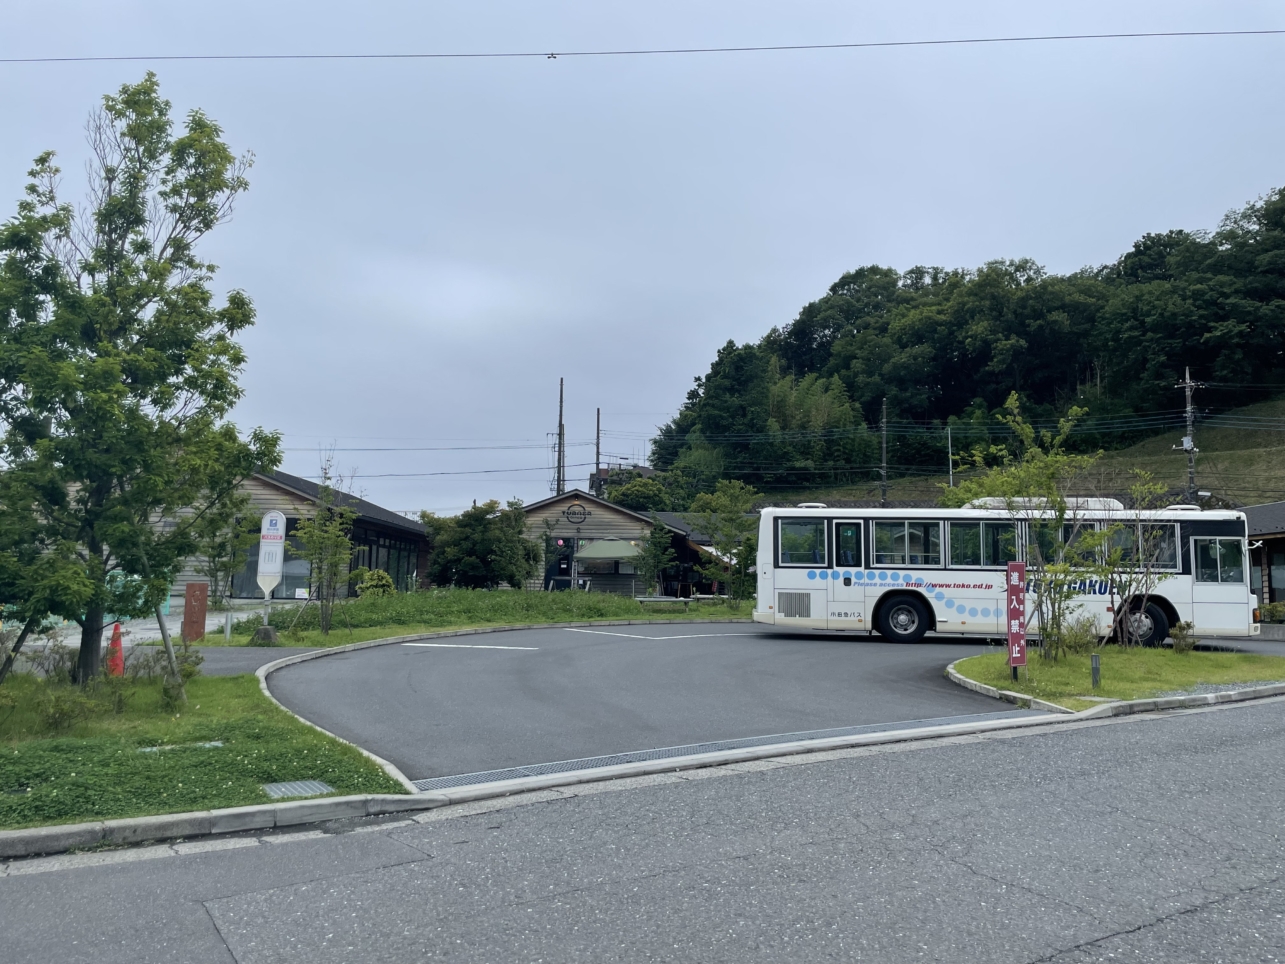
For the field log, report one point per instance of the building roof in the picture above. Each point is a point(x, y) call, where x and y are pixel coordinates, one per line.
point(1265, 519)
point(583, 496)
point(366, 511)
point(680, 522)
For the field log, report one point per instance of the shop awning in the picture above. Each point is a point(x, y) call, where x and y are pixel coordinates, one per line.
point(608, 549)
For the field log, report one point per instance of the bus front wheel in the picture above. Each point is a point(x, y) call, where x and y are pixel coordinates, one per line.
point(903, 620)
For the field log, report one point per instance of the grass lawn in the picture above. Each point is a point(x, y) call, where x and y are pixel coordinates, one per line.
point(94, 770)
point(1127, 674)
point(435, 610)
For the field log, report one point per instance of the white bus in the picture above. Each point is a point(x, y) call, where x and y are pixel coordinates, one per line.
point(902, 573)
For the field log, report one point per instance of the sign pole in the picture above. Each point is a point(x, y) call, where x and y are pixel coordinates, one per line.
point(272, 553)
point(1016, 592)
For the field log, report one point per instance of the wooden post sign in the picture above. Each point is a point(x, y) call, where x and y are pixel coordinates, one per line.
point(1016, 615)
point(196, 599)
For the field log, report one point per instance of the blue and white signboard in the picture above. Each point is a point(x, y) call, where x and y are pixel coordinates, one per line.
point(272, 551)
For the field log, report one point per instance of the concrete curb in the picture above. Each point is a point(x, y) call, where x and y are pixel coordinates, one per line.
point(131, 830)
point(1122, 707)
point(46, 840)
point(199, 823)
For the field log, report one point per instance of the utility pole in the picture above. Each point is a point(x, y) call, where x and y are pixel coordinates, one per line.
point(562, 445)
point(597, 458)
point(950, 457)
point(1189, 440)
point(883, 454)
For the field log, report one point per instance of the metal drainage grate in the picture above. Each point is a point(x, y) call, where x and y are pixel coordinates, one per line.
point(297, 788)
point(692, 749)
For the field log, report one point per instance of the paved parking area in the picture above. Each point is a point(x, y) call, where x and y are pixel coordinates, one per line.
point(472, 703)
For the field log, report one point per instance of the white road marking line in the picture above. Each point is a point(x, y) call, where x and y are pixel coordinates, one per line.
point(599, 632)
point(467, 646)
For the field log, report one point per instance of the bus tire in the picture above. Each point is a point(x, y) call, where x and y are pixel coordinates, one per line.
point(903, 619)
point(1149, 624)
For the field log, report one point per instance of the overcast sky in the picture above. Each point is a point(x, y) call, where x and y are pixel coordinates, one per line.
point(431, 244)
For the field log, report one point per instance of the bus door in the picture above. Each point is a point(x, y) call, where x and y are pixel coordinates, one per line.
point(1220, 600)
point(847, 609)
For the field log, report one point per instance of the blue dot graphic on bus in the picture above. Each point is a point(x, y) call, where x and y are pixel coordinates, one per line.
point(883, 577)
point(825, 574)
point(986, 612)
point(895, 577)
point(940, 596)
point(846, 574)
point(858, 575)
point(870, 577)
point(950, 604)
point(961, 608)
point(972, 612)
point(812, 574)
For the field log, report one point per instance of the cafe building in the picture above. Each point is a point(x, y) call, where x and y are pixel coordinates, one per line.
point(591, 545)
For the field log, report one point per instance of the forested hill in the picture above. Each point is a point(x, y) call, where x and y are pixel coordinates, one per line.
point(943, 347)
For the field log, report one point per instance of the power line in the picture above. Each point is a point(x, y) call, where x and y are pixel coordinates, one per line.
point(421, 475)
point(657, 51)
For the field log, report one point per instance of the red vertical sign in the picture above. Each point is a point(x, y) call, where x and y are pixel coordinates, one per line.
point(1017, 614)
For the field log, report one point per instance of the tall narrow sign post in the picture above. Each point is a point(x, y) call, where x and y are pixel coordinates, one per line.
point(1016, 615)
point(272, 556)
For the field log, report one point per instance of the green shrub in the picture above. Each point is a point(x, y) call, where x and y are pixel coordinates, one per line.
point(62, 707)
point(376, 582)
point(459, 607)
point(1183, 640)
point(1080, 636)
point(1273, 612)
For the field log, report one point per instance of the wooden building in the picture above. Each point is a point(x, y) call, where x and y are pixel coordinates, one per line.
point(1267, 550)
point(382, 539)
point(591, 545)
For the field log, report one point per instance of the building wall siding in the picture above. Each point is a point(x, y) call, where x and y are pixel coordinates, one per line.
point(264, 497)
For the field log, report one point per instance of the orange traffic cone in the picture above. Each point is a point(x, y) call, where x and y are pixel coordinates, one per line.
point(115, 654)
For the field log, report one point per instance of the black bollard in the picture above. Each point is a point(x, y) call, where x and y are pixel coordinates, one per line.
point(1097, 669)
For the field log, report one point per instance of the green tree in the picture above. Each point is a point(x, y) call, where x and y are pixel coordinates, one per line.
point(656, 557)
point(942, 344)
point(117, 366)
point(483, 547)
point(726, 516)
point(1033, 484)
point(223, 534)
point(1135, 555)
point(640, 495)
point(325, 541)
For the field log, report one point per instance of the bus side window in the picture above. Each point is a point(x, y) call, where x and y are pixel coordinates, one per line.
point(802, 542)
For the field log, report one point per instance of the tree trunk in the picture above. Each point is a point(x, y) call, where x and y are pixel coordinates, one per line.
point(17, 648)
point(91, 645)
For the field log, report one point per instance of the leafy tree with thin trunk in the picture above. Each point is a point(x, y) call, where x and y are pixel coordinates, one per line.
point(325, 541)
point(223, 534)
point(1032, 482)
point(118, 367)
point(656, 557)
point(725, 515)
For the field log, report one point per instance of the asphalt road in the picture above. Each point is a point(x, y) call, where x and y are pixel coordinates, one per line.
point(560, 694)
point(234, 660)
point(1155, 838)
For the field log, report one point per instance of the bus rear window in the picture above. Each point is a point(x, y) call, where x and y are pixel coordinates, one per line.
point(802, 542)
